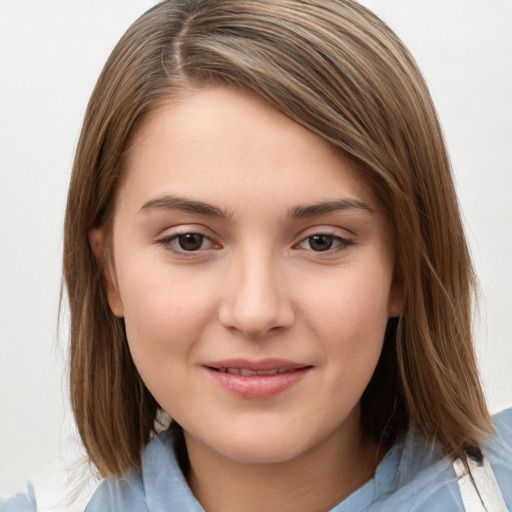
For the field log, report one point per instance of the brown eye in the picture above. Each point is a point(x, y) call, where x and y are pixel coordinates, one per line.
point(325, 242)
point(190, 241)
point(321, 243)
point(188, 244)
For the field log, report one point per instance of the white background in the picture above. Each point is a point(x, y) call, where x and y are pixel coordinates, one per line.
point(51, 53)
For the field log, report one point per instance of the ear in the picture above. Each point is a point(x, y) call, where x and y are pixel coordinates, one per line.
point(96, 241)
point(396, 300)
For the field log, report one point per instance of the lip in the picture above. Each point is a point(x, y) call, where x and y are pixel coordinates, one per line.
point(242, 378)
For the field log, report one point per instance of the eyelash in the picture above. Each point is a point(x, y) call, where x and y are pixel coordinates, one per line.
point(342, 242)
point(170, 243)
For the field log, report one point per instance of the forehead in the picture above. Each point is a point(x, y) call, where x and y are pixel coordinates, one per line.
point(217, 141)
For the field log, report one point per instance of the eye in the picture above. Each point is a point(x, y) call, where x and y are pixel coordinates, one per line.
point(187, 243)
point(320, 242)
point(323, 242)
point(190, 241)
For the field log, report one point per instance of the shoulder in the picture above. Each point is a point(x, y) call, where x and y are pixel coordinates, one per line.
point(119, 495)
point(158, 484)
point(415, 477)
point(20, 502)
point(126, 493)
point(412, 477)
point(424, 481)
point(499, 453)
point(503, 426)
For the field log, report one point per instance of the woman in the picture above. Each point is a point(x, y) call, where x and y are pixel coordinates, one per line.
point(263, 242)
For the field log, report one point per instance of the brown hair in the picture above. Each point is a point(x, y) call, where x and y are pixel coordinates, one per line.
point(338, 70)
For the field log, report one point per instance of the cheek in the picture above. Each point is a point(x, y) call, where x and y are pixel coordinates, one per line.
point(351, 306)
point(166, 319)
point(351, 319)
point(165, 313)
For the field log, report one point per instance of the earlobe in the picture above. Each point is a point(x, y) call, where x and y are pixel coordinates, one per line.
point(396, 309)
point(396, 303)
point(97, 243)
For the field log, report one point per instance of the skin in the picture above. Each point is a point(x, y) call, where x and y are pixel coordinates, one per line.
point(255, 286)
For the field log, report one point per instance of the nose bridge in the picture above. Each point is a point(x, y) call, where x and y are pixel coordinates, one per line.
point(256, 300)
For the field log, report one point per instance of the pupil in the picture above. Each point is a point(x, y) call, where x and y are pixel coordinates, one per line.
point(190, 241)
point(321, 242)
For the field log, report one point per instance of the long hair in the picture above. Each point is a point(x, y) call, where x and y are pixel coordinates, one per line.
point(338, 70)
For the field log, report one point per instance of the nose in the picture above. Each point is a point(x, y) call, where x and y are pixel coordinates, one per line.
point(255, 298)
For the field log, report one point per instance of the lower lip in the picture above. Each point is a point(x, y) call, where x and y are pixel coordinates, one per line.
point(258, 386)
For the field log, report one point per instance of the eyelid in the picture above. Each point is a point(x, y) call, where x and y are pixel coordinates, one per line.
point(184, 229)
point(322, 229)
point(172, 234)
point(340, 235)
point(341, 240)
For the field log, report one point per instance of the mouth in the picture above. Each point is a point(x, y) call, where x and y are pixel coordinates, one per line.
point(257, 379)
point(247, 372)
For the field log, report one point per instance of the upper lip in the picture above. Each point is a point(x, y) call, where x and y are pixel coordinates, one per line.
point(256, 366)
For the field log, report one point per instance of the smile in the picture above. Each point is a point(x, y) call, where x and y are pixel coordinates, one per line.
point(256, 380)
point(246, 372)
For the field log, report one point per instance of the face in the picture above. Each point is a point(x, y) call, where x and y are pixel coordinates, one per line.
point(254, 272)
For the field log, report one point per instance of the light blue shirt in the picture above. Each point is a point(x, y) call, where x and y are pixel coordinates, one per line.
point(412, 477)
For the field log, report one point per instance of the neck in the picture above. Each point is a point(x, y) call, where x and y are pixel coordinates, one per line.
point(316, 481)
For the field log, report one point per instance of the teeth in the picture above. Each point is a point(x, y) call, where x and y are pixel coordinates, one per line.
point(269, 372)
point(248, 373)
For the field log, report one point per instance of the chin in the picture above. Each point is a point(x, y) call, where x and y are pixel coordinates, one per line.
point(261, 453)
point(260, 446)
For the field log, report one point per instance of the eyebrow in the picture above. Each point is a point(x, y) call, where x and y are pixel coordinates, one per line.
point(328, 207)
point(185, 205)
point(201, 208)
